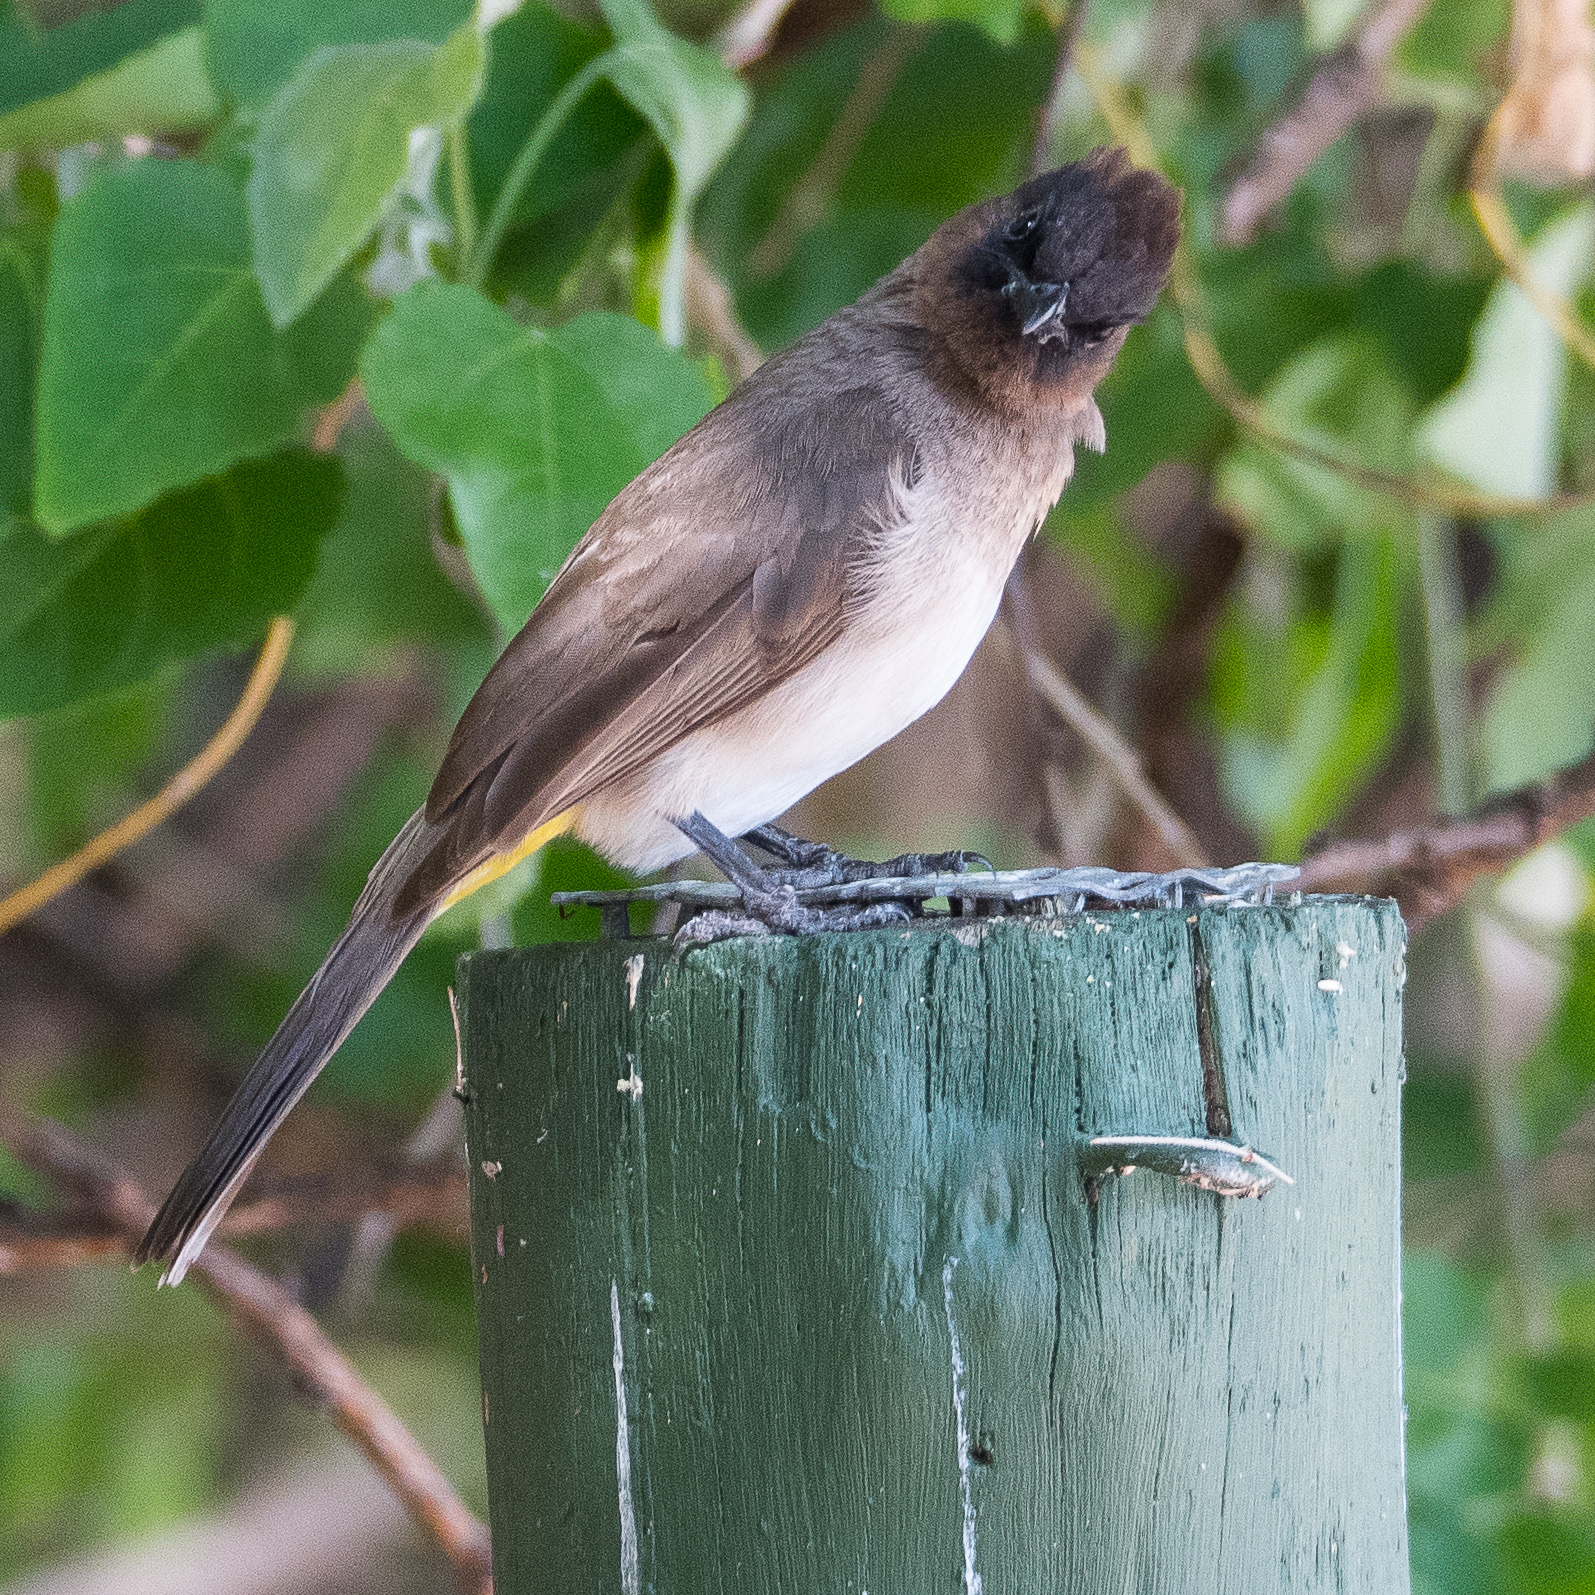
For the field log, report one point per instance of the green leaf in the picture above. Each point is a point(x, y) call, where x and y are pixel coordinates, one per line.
point(535, 431)
point(1295, 752)
point(696, 105)
point(1555, 1079)
point(159, 365)
point(1422, 321)
point(1338, 395)
point(1541, 710)
point(1542, 1554)
point(78, 754)
point(376, 580)
point(1154, 409)
point(1128, 579)
point(201, 569)
point(999, 18)
point(163, 89)
point(1501, 427)
point(1459, 43)
point(792, 258)
point(254, 49)
point(1439, 1122)
point(21, 306)
point(532, 54)
point(38, 63)
point(332, 151)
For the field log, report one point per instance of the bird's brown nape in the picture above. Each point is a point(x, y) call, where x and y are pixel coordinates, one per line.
point(1097, 237)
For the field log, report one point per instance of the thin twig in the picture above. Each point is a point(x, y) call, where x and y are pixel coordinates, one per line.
point(1047, 126)
point(1103, 738)
point(750, 33)
point(1100, 735)
point(809, 197)
point(712, 311)
point(32, 1240)
point(1446, 635)
point(1495, 222)
point(1224, 389)
point(1345, 87)
point(331, 422)
point(405, 1195)
point(171, 797)
point(273, 1318)
point(1430, 867)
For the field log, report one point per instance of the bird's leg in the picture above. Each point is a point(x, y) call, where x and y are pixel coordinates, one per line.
point(830, 868)
point(769, 897)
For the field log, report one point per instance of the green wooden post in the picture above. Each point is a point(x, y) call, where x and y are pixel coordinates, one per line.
point(790, 1275)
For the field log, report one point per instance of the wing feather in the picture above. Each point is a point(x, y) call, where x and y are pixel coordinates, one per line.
point(724, 568)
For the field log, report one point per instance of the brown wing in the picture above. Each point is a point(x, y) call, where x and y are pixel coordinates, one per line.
point(724, 568)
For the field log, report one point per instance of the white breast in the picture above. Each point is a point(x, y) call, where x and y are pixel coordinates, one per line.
point(936, 590)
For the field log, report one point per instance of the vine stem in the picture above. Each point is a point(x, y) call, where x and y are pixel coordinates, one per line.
point(1490, 211)
point(171, 797)
point(1222, 386)
point(464, 199)
point(480, 261)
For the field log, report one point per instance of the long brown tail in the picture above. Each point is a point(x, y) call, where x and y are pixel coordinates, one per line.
point(362, 961)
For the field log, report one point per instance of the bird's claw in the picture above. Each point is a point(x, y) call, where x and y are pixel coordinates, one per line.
point(770, 897)
point(815, 864)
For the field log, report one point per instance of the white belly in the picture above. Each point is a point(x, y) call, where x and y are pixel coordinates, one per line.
point(938, 576)
point(895, 662)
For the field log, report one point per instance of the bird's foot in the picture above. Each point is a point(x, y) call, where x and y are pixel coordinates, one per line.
point(824, 866)
point(770, 897)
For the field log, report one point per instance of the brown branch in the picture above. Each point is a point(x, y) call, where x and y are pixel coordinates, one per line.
point(1047, 125)
point(1429, 868)
point(265, 1311)
point(337, 415)
point(809, 198)
point(404, 1195)
point(713, 313)
point(31, 1241)
point(1344, 88)
point(1065, 700)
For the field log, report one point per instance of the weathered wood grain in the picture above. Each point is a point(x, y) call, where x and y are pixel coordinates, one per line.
point(837, 1205)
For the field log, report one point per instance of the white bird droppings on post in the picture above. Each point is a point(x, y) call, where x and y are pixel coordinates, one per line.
point(633, 978)
point(972, 1580)
point(628, 1513)
point(1330, 986)
point(630, 1084)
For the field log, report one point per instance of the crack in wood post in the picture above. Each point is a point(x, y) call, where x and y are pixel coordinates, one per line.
point(1215, 1098)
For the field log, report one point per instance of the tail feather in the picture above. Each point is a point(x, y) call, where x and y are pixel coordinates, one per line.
point(360, 964)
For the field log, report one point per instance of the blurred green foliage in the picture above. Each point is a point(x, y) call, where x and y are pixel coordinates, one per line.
point(489, 222)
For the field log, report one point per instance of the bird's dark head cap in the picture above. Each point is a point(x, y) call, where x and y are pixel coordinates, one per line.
point(1035, 291)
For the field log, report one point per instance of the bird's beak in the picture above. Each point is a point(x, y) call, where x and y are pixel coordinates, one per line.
point(1039, 303)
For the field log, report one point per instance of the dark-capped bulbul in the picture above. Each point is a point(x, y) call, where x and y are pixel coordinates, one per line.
point(805, 573)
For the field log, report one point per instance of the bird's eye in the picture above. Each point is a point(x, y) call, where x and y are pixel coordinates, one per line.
point(1022, 226)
